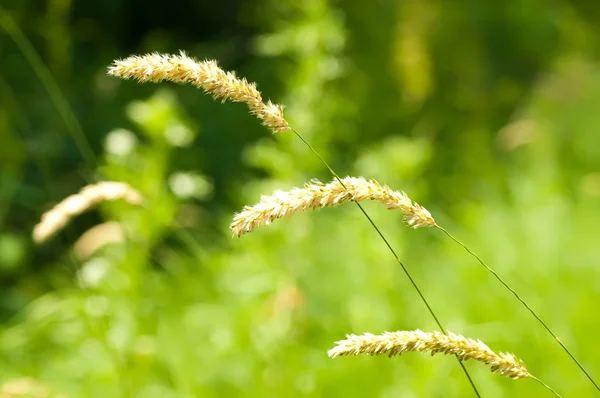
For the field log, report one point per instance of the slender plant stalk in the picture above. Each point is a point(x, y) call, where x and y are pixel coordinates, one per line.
point(119, 364)
point(226, 85)
point(546, 385)
point(223, 85)
point(397, 343)
point(45, 76)
point(391, 249)
point(524, 304)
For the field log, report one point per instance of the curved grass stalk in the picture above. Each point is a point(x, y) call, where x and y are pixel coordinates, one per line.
point(120, 367)
point(397, 343)
point(396, 257)
point(84, 147)
point(225, 85)
point(518, 297)
point(49, 83)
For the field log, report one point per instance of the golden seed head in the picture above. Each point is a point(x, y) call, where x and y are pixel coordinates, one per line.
point(397, 343)
point(56, 218)
point(206, 75)
point(318, 195)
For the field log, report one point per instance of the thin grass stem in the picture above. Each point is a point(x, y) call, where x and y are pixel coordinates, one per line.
point(120, 367)
point(522, 302)
point(49, 83)
point(391, 249)
point(546, 385)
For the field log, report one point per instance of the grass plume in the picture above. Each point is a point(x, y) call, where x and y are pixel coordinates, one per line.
point(51, 86)
point(397, 343)
point(225, 85)
point(206, 75)
point(316, 195)
point(56, 218)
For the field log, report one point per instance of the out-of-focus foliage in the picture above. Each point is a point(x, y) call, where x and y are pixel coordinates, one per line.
point(484, 112)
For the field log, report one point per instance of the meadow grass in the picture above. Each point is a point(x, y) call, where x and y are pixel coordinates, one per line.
point(56, 218)
point(225, 85)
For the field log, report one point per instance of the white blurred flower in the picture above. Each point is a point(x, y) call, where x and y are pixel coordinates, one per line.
point(190, 185)
point(94, 271)
point(179, 135)
point(120, 142)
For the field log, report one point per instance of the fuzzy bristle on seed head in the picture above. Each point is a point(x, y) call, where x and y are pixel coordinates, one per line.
point(206, 75)
point(397, 343)
point(56, 218)
point(316, 195)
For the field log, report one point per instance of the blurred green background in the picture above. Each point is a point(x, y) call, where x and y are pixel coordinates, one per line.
point(486, 113)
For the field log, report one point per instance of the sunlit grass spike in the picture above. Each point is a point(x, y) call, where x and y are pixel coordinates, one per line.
point(56, 218)
point(206, 75)
point(316, 195)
